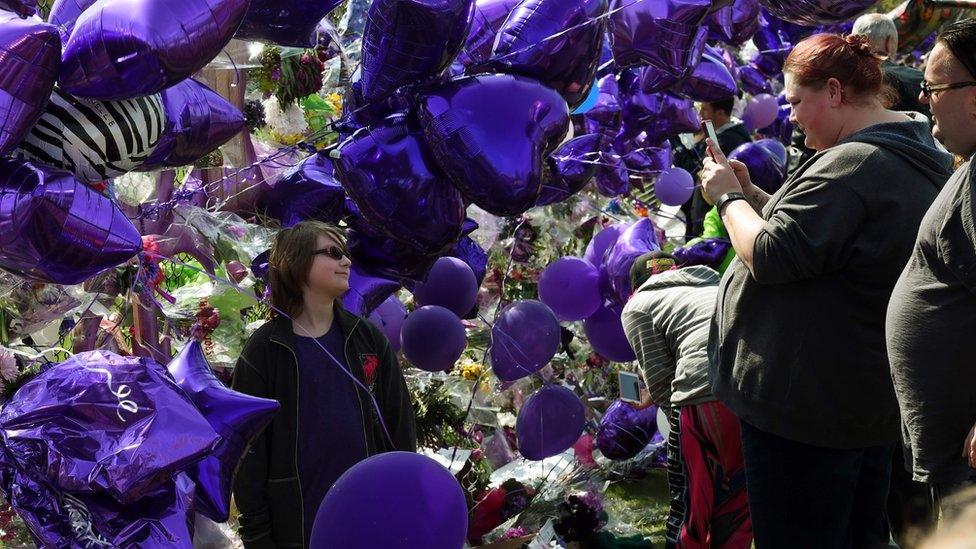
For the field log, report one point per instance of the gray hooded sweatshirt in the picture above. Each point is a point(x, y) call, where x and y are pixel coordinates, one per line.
point(666, 322)
point(798, 347)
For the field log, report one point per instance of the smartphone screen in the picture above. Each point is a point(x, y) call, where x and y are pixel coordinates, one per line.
point(629, 387)
point(710, 132)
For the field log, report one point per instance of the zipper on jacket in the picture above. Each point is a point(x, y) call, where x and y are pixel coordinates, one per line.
point(301, 496)
point(359, 399)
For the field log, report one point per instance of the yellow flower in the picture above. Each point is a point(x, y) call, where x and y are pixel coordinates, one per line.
point(335, 101)
point(472, 371)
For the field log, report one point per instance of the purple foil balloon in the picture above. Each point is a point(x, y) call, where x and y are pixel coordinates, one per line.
point(389, 318)
point(710, 81)
point(710, 252)
point(100, 423)
point(486, 19)
point(571, 167)
point(451, 284)
point(367, 291)
point(392, 176)
point(719, 25)
point(625, 430)
point(608, 109)
point(53, 228)
point(568, 63)
point(121, 49)
point(198, 120)
point(753, 81)
point(395, 500)
point(64, 14)
point(470, 252)
point(570, 286)
point(285, 22)
point(660, 115)
point(664, 33)
point(410, 40)
point(389, 258)
point(306, 191)
point(605, 333)
point(745, 21)
point(638, 239)
point(495, 150)
point(612, 178)
point(524, 339)
point(29, 61)
point(236, 417)
point(648, 158)
point(766, 169)
point(433, 338)
point(601, 242)
point(23, 8)
point(811, 13)
point(550, 422)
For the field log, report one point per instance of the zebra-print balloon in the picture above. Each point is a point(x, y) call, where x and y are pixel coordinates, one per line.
point(95, 140)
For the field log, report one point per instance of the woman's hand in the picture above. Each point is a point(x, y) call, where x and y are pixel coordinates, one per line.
point(719, 176)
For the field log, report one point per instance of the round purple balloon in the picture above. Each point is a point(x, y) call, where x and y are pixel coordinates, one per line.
point(674, 186)
point(597, 249)
point(765, 168)
point(570, 286)
point(396, 500)
point(494, 150)
point(760, 111)
point(625, 430)
point(451, 284)
point(29, 61)
point(389, 317)
point(550, 422)
point(285, 22)
point(605, 332)
point(432, 338)
point(524, 339)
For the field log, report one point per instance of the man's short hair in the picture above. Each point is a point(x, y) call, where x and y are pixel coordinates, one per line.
point(960, 38)
point(723, 105)
point(877, 28)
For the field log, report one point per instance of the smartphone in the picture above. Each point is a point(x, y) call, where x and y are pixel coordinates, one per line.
point(709, 129)
point(629, 387)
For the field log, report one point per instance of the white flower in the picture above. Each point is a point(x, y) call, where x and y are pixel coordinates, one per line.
point(288, 122)
point(8, 365)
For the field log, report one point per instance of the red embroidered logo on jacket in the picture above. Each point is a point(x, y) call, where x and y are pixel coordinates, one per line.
point(370, 365)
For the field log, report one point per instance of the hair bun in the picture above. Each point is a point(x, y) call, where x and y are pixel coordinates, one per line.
point(859, 45)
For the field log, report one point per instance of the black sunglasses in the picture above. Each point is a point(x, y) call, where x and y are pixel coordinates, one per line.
point(929, 89)
point(334, 252)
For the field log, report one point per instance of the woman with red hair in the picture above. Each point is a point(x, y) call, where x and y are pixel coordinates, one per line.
point(797, 345)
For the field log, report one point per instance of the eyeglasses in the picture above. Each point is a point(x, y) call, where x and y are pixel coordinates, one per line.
point(334, 252)
point(929, 89)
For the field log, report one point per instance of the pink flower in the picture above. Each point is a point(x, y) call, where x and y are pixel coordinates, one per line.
point(8, 365)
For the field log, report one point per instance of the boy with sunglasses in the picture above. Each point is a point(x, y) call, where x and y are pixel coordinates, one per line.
point(342, 393)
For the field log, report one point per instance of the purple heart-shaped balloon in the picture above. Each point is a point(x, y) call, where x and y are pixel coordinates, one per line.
point(53, 228)
point(198, 120)
point(488, 17)
point(309, 190)
point(392, 176)
point(664, 33)
point(64, 14)
point(129, 48)
point(571, 167)
point(387, 257)
point(29, 60)
point(568, 63)
point(710, 81)
point(408, 40)
point(285, 22)
point(494, 150)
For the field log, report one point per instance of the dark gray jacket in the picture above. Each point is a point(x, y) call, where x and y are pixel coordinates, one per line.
point(797, 349)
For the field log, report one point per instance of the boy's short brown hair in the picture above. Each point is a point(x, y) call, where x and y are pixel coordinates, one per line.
point(291, 259)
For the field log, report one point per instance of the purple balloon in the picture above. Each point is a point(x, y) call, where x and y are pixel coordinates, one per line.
point(367, 291)
point(719, 25)
point(54, 228)
point(612, 178)
point(603, 241)
point(389, 317)
point(753, 81)
point(396, 500)
point(550, 422)
point(605, 332)
point(387, 257)
point(451, 284)
point(29, 60)
point(64, 14)
point(666, 34)
point(745, 21)
point(570, 286)
point(760, 111)
point(390, 173)
point(769, 63)
point(307, 191)
point(660, 115)
point(468, 251)
point(524, 339)
point(198, 120)
point(674, 186)
point(710, 252)
point(410, 40)
point(495, 150)
point(433, 338)
point(710, 81)
point(285, 22)
point(648, 158)
point(777, 149)
point(625, 430)
point(23, 8)
point(236, 417)
point(487, 18)
point(567, 64)
point(100, 423)
point(571, 167)
point(638, 239)
point(765, 167)
point(811, 13)
point(121, 49)
point(608, 109)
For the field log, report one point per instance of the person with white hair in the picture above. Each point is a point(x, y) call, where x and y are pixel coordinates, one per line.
point(902, 83)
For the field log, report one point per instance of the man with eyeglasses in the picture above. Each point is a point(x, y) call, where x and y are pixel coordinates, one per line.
point(931, 317)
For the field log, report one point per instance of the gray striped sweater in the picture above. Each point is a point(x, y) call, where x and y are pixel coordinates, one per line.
point(667, 322)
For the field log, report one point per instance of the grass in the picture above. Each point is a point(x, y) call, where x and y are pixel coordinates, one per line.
point(645, 501)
